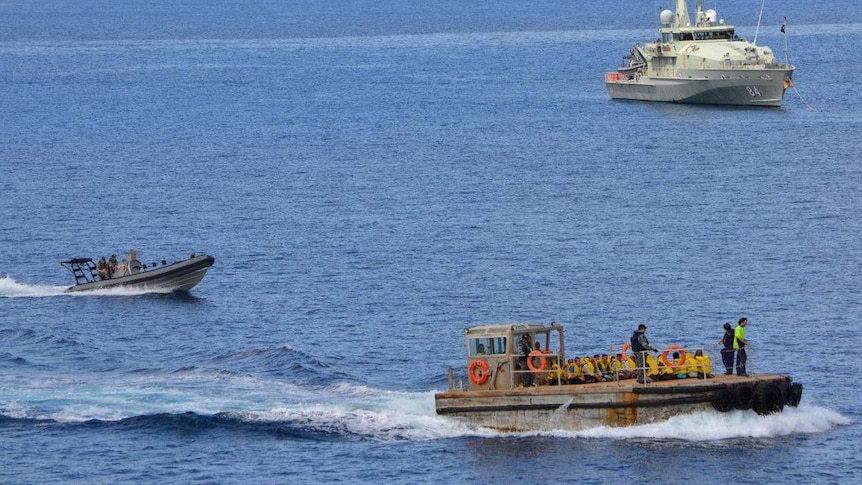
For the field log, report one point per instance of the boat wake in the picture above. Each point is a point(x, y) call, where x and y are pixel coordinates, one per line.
point(200, 400)
point(9, 288)
point(715, 426)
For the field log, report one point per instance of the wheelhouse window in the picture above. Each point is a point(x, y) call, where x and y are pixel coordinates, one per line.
point(487, 346)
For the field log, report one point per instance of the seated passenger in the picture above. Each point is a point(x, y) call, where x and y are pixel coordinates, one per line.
point(690, 365)
point(608, 373)
point(556, 375)
point(703, 365)
point(134, 265)
point(589, 371)
point(480, 349)
point(574, 373)
point(621, 367)
point(112, 264)
point(102, 269)
point(652, 370)
point(671, 369)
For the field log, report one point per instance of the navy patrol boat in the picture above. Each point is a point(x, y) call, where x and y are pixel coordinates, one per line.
point(704, 62)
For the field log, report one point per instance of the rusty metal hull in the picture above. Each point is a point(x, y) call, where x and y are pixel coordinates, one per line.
point(624, 403)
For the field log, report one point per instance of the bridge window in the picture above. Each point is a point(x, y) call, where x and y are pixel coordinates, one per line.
point(487, 346)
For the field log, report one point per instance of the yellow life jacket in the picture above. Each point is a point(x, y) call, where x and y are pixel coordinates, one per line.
point(704, 365)
point(690, 364)
point(573, 370)
point(591, 368)
point(555, 372)
point(652, 365)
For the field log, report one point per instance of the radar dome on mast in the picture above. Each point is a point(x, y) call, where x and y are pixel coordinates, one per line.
point(666, 17)
point(712, 16)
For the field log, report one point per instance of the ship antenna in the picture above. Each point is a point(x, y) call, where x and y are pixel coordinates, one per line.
point(759, 17)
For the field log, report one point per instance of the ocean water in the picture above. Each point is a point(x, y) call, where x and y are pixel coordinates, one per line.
point(374, 176)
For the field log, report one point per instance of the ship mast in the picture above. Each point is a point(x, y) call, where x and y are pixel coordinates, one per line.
point(682, 18)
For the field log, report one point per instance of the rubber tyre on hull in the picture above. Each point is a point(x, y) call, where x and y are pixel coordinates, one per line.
point(794, 394)
point(722, 400)
point(767, 399)
point(743, 397)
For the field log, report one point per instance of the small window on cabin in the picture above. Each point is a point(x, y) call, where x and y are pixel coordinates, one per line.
point(487, 346)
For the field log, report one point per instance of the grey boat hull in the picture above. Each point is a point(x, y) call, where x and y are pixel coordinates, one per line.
point(721, 87)
point(180, 276)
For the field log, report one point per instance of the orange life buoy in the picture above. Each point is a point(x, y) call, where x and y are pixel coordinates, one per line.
point(626, 347)
point(670, 363)
point(543, 362)
point(479, 372)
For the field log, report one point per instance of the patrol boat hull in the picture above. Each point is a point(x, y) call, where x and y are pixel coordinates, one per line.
point(180, 276)
point(616, 404)
point(707, 87)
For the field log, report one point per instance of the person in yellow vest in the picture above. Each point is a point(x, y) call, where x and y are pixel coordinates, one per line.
point(739, 343)
point(703, 365)
point(556, 375)
point(667, 371)
point(690, 366)
point(574, 372)
point(589, 371)
point(652, 370)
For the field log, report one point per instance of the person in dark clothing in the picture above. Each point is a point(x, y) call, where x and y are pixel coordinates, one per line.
point(526, 348)
point(640, 345)
point(102, 269)
point(727, 351)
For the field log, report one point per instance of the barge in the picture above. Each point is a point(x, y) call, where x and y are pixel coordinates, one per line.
point(510, 391)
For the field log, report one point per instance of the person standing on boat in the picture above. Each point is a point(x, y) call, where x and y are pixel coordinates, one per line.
point(134, 265)
point(526, 348)
point(739, 343)
point(640, 345)
point(727, 351)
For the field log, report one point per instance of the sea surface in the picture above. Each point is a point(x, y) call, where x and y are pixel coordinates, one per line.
point(373, 176)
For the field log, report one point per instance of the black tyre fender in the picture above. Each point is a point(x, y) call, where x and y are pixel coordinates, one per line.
point(722, 400)
point(767, 399)
point(743, 397)
point(794, 394)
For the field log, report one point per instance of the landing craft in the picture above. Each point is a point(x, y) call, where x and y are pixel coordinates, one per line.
point(508, 391)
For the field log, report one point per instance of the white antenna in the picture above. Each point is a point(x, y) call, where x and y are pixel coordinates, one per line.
point(759, 17)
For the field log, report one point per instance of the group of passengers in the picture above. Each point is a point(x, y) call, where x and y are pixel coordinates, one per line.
point(673, 363)
point(110, 268)
point(606, 368)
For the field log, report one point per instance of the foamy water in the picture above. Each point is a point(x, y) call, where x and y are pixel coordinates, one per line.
point(10, 288)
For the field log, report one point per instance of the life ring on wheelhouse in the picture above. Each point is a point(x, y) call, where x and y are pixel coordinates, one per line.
point(543, 362)
point(671, 363)
point(479, 372)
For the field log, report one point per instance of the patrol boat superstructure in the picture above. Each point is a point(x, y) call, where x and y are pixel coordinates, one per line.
point(704, 63)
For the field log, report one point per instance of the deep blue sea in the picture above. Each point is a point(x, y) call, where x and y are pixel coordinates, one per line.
point(373, 176)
